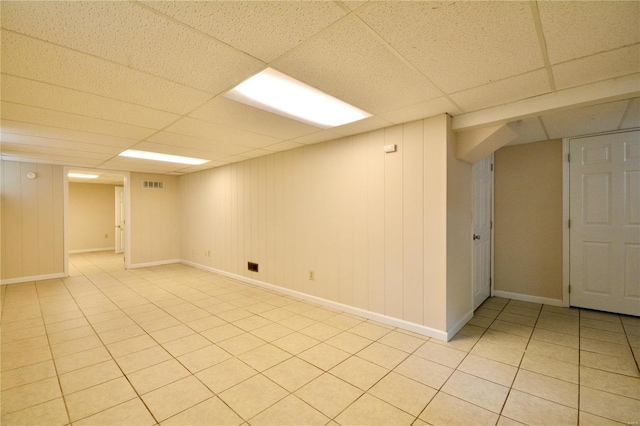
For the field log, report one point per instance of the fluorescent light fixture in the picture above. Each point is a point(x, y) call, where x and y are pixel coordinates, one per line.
point(276, 92)
point(82, 176)
point(155, 156)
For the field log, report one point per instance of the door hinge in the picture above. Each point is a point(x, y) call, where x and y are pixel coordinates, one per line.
point(569, 288)
point(569, 223)
point(568, 158)
point(491, 166)
point(491, 222)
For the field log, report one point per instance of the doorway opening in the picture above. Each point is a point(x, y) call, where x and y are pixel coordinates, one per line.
point(96, 212)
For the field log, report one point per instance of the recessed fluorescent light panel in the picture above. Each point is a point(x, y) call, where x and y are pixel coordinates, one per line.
point(155, 156)
point(82, 176)
point(275, 92)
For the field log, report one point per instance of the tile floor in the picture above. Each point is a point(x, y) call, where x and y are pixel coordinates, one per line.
point(173, 345)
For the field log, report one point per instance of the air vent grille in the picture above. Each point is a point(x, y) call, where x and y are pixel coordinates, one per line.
point(152, 184)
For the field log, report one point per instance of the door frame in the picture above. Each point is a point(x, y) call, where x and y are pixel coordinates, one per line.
point(566, 214)
point(127, 212)
point(492, 230)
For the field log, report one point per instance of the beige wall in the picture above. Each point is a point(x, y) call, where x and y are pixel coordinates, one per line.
point(91, 216)
point(32, 220)
point(528, 219)
point(372, 226)
point(155, 220)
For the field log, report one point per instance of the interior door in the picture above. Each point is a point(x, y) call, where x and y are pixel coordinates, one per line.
point(119, 220)
point(605, 222)
point(482, 207)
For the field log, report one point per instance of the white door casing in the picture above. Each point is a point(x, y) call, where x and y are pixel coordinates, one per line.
point(119, 220)
point(482, 207)
point(605, 222)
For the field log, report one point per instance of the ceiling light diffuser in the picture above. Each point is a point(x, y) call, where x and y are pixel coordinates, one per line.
point(82, 176)
point(276, 92)
point(155, 156)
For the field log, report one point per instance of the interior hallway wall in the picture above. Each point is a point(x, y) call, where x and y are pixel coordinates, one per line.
point(528, 219)
point(376, 229)
point(32, 220)
point(155, 220)
point(91, 217)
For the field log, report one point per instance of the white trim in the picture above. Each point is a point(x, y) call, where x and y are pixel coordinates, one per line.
point(65, 219)
point(92, 250)
point(566, 215)
point(493, 223)
point(33, 278)
point(157, 263)
point(384, 319)
point(528, 298)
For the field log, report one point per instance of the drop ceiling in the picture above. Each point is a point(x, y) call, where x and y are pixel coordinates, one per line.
point(84, 81)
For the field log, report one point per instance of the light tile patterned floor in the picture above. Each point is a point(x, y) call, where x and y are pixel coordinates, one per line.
point(174, 345)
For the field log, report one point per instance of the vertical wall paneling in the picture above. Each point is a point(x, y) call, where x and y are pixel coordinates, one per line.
point(29, 195)
point(263, 206)
point(233, 207)
point(12, 220)
point(413, 221)
point(345, 184)
point(360, 224)
point(269, 219)
point(288, 216)
point(46, 225)
point(376, 221)
point(393, 224)
point(278, 219)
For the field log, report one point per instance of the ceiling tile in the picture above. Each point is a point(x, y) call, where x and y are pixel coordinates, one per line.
point(174, 139)
point(47, 117)
point(366, 125)
point(11, 148)
point(632, 116)
point(283, 146)
point(140, 166)
point(29, 129)
point(41, 61)
point(264, 30)
point(584, 121)
point(57, 143)
point(256, 153)
point(132, 35)
point(573, 29)
point(38, 157)
point(353, 5)
point(527, 130)
point(504, 91)
point(349, 62)
point(421, 110)
point(602, 66)
point(235, 114)
point(183, 151)
point(321, 136)
point(220, 133)
point(27, 92)
point(460, 45)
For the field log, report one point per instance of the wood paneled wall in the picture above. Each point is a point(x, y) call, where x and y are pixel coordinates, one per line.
point(32, 220)
point(372, 226)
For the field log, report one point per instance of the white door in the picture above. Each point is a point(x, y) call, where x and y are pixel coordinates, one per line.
point(119, 220)
point(482, 206)
point(605, 222)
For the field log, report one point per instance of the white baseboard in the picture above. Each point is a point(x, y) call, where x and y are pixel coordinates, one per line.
point(384, 319)
point(157, 263)
point(528, 298)
point(92, 250)
point(32, 278)
point(453, 330)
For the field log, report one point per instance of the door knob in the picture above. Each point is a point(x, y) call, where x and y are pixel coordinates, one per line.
point(476, 237)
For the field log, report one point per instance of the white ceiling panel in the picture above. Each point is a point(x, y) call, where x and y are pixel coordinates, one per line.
point(583, 121)
point(632, 115)
point(225, 111)
point(321, 136)
point(47, 117)
point(574, 29)
point(283, 146)
point(174, 139)
point(614, 63)
point(349, 62)
point(49, 150)
point(30, 129)
point(504, 91)
point(265, 30)
point(141, 166)
point(131, 35)
point(45, 62)
point(45, 158)
point(80, 147)
point(104, 177)
point(220, 133)
point(28, 92)
point(460, 45)
point(365, 125)
point(184, 151)
point(422, 110)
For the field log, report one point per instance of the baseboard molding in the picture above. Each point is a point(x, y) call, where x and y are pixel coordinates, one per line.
point(157, 263)
point(32, 278)
point(528, 298)
point(453, 330)
point(384, 319)
point(92, 250)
